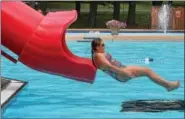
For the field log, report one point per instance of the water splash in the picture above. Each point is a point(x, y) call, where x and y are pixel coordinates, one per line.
point(164, 17)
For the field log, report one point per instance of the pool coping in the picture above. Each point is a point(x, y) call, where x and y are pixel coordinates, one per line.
point(127, 37)
point(81, 34)
point(11, 90)
point(126, 30)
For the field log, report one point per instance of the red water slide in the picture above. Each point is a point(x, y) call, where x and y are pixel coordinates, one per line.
point(39, 41)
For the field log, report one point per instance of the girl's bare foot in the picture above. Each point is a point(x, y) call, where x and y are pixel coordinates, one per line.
point(173, 85)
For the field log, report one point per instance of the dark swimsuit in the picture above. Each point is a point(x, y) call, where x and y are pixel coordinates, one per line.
point(115, 63)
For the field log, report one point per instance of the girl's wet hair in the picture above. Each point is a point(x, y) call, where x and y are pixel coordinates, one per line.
point(96, 42)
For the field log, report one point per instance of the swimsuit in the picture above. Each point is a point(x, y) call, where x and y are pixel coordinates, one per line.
point(115, 63)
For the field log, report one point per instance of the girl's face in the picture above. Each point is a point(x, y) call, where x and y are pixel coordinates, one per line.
point(100, 48)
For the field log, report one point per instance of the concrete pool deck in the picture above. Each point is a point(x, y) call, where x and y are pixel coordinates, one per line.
point(127, 34)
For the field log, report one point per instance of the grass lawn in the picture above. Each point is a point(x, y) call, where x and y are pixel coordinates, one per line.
point(104, 14)
point(142, 19)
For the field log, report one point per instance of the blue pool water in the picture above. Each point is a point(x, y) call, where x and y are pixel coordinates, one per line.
point(50, 96)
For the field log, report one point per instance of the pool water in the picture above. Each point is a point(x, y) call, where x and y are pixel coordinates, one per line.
point(50, 96)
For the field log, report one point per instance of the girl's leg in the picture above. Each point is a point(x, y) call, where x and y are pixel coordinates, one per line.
point(143, 71)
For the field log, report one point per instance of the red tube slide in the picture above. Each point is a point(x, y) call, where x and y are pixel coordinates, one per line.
point(39, 41)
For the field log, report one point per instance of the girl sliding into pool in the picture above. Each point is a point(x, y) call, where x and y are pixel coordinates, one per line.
point(122, 73)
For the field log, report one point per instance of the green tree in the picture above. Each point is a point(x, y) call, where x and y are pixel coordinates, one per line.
point(170, 2)
point(43, 6)
point(92, 14)
point(78, 7)
point(157, 3)
point(131, 13)
point(116, 12)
